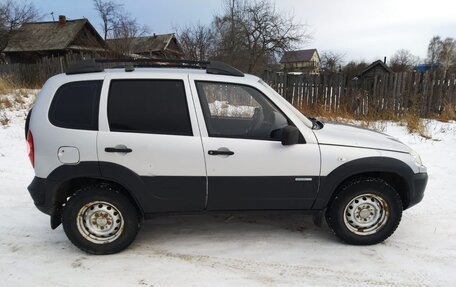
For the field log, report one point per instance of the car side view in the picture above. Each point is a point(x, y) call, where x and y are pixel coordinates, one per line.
point(112, 147)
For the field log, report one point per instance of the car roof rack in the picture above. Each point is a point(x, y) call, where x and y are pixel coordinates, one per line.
point(98, 65)
point(221, 68)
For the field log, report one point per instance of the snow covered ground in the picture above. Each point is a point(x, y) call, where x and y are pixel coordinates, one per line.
point(234, 250)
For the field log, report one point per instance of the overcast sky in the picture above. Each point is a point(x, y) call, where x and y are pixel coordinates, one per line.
point(360, 29)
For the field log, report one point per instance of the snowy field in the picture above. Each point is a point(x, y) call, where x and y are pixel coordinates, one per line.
point(234, 250)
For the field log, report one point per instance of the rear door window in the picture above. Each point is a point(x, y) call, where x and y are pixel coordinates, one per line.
point(149, 106)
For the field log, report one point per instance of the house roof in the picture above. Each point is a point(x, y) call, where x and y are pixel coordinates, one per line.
point(375, 64)
point(44, 36)
point(298, 56)
point(155, 43)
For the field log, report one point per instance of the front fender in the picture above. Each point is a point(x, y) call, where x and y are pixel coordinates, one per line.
point(329, 184)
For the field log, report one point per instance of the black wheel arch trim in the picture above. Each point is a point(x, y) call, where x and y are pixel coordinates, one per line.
point(141, 189)
point(118, 174)
point(387, 165)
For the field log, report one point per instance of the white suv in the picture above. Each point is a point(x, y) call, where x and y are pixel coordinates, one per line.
point(113, 147)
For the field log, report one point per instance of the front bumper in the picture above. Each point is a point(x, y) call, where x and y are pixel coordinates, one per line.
point(417, 191)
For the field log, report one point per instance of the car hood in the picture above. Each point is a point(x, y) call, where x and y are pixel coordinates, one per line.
point(353, 136)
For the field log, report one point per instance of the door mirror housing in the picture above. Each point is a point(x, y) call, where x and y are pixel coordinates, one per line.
point(290, 135)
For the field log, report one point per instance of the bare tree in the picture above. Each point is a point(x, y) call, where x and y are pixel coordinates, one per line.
point(197, 42)
point(354, 68)
point(109, 13)
point(124, 30)
point(15, 13)
point(250, 35)
point(442, 53)
point(434, 50)
point(226, 27)
point(331, 61)
point(447, 55)
point(403, 61)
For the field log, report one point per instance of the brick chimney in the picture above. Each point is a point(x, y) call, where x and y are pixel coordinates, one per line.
point(62, 19)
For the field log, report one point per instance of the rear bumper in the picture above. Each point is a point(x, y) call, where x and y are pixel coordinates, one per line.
point(45, 194)
point(417, 192)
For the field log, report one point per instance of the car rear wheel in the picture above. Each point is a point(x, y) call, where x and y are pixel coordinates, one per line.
point(365, 211)
point(99, 220)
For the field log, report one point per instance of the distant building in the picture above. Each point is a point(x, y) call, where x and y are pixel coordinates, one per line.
point(302, 61)
point(423, 68)
point(163, 46)
point(377, 68)
point(37, 40)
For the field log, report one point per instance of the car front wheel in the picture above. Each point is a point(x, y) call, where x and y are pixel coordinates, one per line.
point(365, 211)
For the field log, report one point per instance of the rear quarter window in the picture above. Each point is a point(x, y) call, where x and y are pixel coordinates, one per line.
point(75, 105)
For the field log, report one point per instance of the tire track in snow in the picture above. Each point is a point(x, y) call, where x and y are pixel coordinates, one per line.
point(272, 274)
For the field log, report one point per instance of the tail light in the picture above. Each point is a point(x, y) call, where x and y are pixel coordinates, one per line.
point(30, 148)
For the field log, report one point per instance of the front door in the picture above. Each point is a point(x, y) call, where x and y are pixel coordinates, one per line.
point(149, 139)
point(247, 166)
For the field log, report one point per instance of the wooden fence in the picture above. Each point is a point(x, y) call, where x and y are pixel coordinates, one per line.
point(425, 94)
point(34, 75)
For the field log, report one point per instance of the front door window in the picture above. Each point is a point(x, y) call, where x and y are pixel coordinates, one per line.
point(239, 111)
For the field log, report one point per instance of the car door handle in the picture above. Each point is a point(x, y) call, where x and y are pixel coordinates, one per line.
point(220, 152)
point(113, 149)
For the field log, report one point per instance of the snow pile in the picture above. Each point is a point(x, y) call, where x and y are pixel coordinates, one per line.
point(234, 250)
point(224, 109)
point(15, 105)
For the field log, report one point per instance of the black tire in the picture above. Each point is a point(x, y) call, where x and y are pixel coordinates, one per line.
point(127, 212)
point(378, 188)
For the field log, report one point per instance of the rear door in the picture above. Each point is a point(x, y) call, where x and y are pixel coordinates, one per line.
point(148, 126)
point(247, 166)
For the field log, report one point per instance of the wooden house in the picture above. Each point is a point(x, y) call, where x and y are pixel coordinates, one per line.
point(377, 68)
point(37, 40)
point(163, 46)
point(302, 61)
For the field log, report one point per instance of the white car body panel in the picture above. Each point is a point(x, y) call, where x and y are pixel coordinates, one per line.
point(48, 138)
point(261, 158)
point(347, 135)
point(153, 154)
point(256, 157)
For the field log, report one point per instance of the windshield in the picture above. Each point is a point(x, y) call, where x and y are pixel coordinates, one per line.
point(307, 121)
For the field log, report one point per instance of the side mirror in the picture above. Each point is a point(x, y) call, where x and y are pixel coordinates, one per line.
point(290, 135)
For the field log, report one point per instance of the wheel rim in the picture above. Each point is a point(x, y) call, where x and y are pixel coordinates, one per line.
point(366, 214)
point(100, 222)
